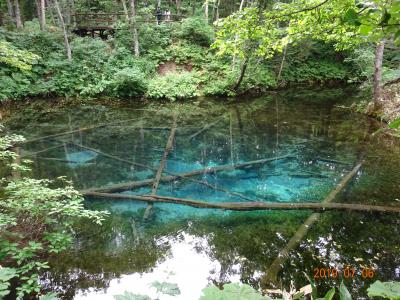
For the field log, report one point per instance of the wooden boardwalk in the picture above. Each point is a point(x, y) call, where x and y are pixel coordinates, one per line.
point(103, 24)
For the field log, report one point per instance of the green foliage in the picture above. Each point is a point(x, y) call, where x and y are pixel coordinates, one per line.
point(231, 291)
point(314, 71)
point(13, 57)
point(6, 274)
point(395, 124)
point(389, 290)
point(186, 53)
point(166, 288)
point(36, 219)
point(131, 296)
point(329, 295)
point(174, 86)
point(197, 31)
point(129, 82)
point(344, 293)
point(362, 62)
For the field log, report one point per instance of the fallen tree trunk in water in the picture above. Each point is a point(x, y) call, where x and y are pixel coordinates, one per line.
point(135, 184)
point(276, 266)
point(250, 206)
point(163, 162)
point(75, 131)
point(205, 128)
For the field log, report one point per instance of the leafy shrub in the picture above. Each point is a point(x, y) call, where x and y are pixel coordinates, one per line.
point(36, 219)
point(196, 30)
point(173, 86)
point(129, 82)
point(312, 71)
point(260, 77)
point(184, 52)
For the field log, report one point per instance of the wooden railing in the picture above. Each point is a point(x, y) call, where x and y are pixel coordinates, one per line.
point(107, 20)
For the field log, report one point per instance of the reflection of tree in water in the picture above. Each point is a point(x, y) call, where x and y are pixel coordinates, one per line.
point(245, 244)
point(106, 252)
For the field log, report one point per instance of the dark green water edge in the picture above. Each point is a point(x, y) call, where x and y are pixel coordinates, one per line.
point(222, 246)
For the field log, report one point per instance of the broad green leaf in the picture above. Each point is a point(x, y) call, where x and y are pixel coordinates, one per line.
point(7, 273)
point(351, 16)
point(166, 288)
point(131, 296)
point(232, 291)
point(389, 290)
point(329, 295)
point(365, 29)
point(50, 296)
point(395, 124)
point(344, 293)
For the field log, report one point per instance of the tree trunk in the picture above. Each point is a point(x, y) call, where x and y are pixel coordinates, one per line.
point(242, 72)
point(10, 10)
point(42, 14)
point(125, 8)
point(217, 11)
point(18, 20)
point(241, 5)
point(206, 11)
point(178, 6)
point(66, 42)
point(135, 31)
point(278, 78)
point(378, 74)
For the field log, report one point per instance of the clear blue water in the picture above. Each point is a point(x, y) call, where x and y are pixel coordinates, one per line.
point(194, 247)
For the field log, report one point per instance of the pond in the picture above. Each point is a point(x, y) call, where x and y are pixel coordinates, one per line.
point(314, 140)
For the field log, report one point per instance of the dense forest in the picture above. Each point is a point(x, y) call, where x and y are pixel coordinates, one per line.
point(70, 59)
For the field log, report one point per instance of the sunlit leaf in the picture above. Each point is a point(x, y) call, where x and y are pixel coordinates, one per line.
point(390, 290)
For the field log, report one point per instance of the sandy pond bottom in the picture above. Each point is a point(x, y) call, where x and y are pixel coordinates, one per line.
point(183, 248)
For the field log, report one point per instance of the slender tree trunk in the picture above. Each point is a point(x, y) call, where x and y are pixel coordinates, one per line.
point(10, 10)
point(378, 74)
point(125, 8)
point(135, 31)
point(206, 10)
point(18, 20)
point(242, 72)
point(41, 13)
point(241, 5)
point(236, 37)
point(282, 62)
point(217, 11)
point(66, 42)
point(178, 6)
point(37, 4)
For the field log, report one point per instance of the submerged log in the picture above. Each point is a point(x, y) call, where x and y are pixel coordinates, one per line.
point(41, 151)
point(136, 184)
point(205, 128)
point(276, 266)
point(74, 131)
point(160, 170)
point(251, 206)
point(333, 161)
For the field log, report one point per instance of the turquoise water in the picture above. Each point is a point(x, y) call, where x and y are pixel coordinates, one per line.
point(194, 247)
